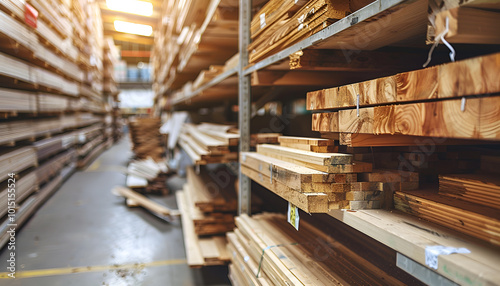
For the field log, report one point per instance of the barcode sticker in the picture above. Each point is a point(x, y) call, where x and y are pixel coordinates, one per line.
point(293, 215)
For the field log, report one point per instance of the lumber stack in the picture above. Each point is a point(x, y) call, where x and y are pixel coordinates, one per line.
point(455, 100)
point(266, 250)
point(111, 58)
point(318, 181)
point(145, 137)
point(280, 24)
point(209, 143)
point(198, 39)
point(51, 91)
point(483, 188)
point(208, 204)
point(470, 218)
point(148, 176)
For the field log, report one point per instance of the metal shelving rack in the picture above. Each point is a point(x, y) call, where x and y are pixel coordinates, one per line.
point(336, 36)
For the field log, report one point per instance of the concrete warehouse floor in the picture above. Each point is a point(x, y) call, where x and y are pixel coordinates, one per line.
point(83, 225)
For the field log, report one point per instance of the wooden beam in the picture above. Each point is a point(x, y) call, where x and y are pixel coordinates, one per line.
point(469, 25)
point(479, 119)
point(145, 202)
point(469, 77)
point(372, 140)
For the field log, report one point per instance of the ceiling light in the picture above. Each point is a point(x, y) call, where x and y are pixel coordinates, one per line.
point(131, 6)
point(132, 28)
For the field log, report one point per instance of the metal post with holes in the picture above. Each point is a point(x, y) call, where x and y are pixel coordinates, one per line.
point(244, 102)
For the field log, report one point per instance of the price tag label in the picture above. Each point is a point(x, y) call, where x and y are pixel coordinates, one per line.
point(30, 15)
point(293, 215)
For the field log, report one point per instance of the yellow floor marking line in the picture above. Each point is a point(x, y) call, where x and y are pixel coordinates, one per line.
point(108, 168)
point(94, 165)
point(98, 268)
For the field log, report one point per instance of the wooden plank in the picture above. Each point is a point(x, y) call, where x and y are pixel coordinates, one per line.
point(145, 202)
point(308, 202)
point(294, 176)
point(410, 236)
point(434, 119)
point(194, 255)
point(324, 159)
point(371, 140)
point(482, 188)
point(472, 219)
point(469, 25)
point(306, 141)
point(475, 76)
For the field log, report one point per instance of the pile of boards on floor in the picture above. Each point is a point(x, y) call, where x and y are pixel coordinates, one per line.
point(148, 176)
point(208, 203)
point(306, 172)
point(146, 138)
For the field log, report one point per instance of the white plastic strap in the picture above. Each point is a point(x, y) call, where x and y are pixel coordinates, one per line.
point(438, 38)
point(462, 106)
point(357, 105)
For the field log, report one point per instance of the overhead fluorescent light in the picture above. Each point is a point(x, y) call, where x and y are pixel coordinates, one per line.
point(132, 28)
point(131, 6)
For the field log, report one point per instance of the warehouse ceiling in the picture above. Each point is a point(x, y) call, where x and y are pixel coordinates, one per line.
point(134, 48)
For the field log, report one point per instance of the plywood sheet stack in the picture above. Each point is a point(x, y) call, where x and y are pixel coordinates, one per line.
point(305, 172)
point(455, 100)
point(280, 24)
point(209, 143)
point(146, 139)
point(266, 250)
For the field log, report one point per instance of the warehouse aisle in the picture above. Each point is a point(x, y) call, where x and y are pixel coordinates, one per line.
point(83, 225)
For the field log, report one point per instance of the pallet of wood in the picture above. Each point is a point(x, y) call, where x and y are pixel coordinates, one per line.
point(266, 250)
point(318, 181)
point(476, 220)
point(291, 22)
point(146, 139)
point(455, 100)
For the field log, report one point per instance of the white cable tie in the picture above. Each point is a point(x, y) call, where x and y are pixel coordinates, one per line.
point(438, 38)
point(357, 105)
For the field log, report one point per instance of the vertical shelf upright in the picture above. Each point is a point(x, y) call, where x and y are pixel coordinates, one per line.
point(244, 102)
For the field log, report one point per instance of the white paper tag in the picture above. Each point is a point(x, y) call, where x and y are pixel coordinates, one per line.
point(262, 20)
point(293, 215)
point(432, 253)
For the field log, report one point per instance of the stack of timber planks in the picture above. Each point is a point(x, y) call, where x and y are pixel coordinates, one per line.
point(266, 250)
point(199, 37)
point(208, 204)
point(280, 24)
point(146, 139)
point(317, 181)
point(455, 100)
point(50, 93)
point(208, 143)
point(148, 176)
